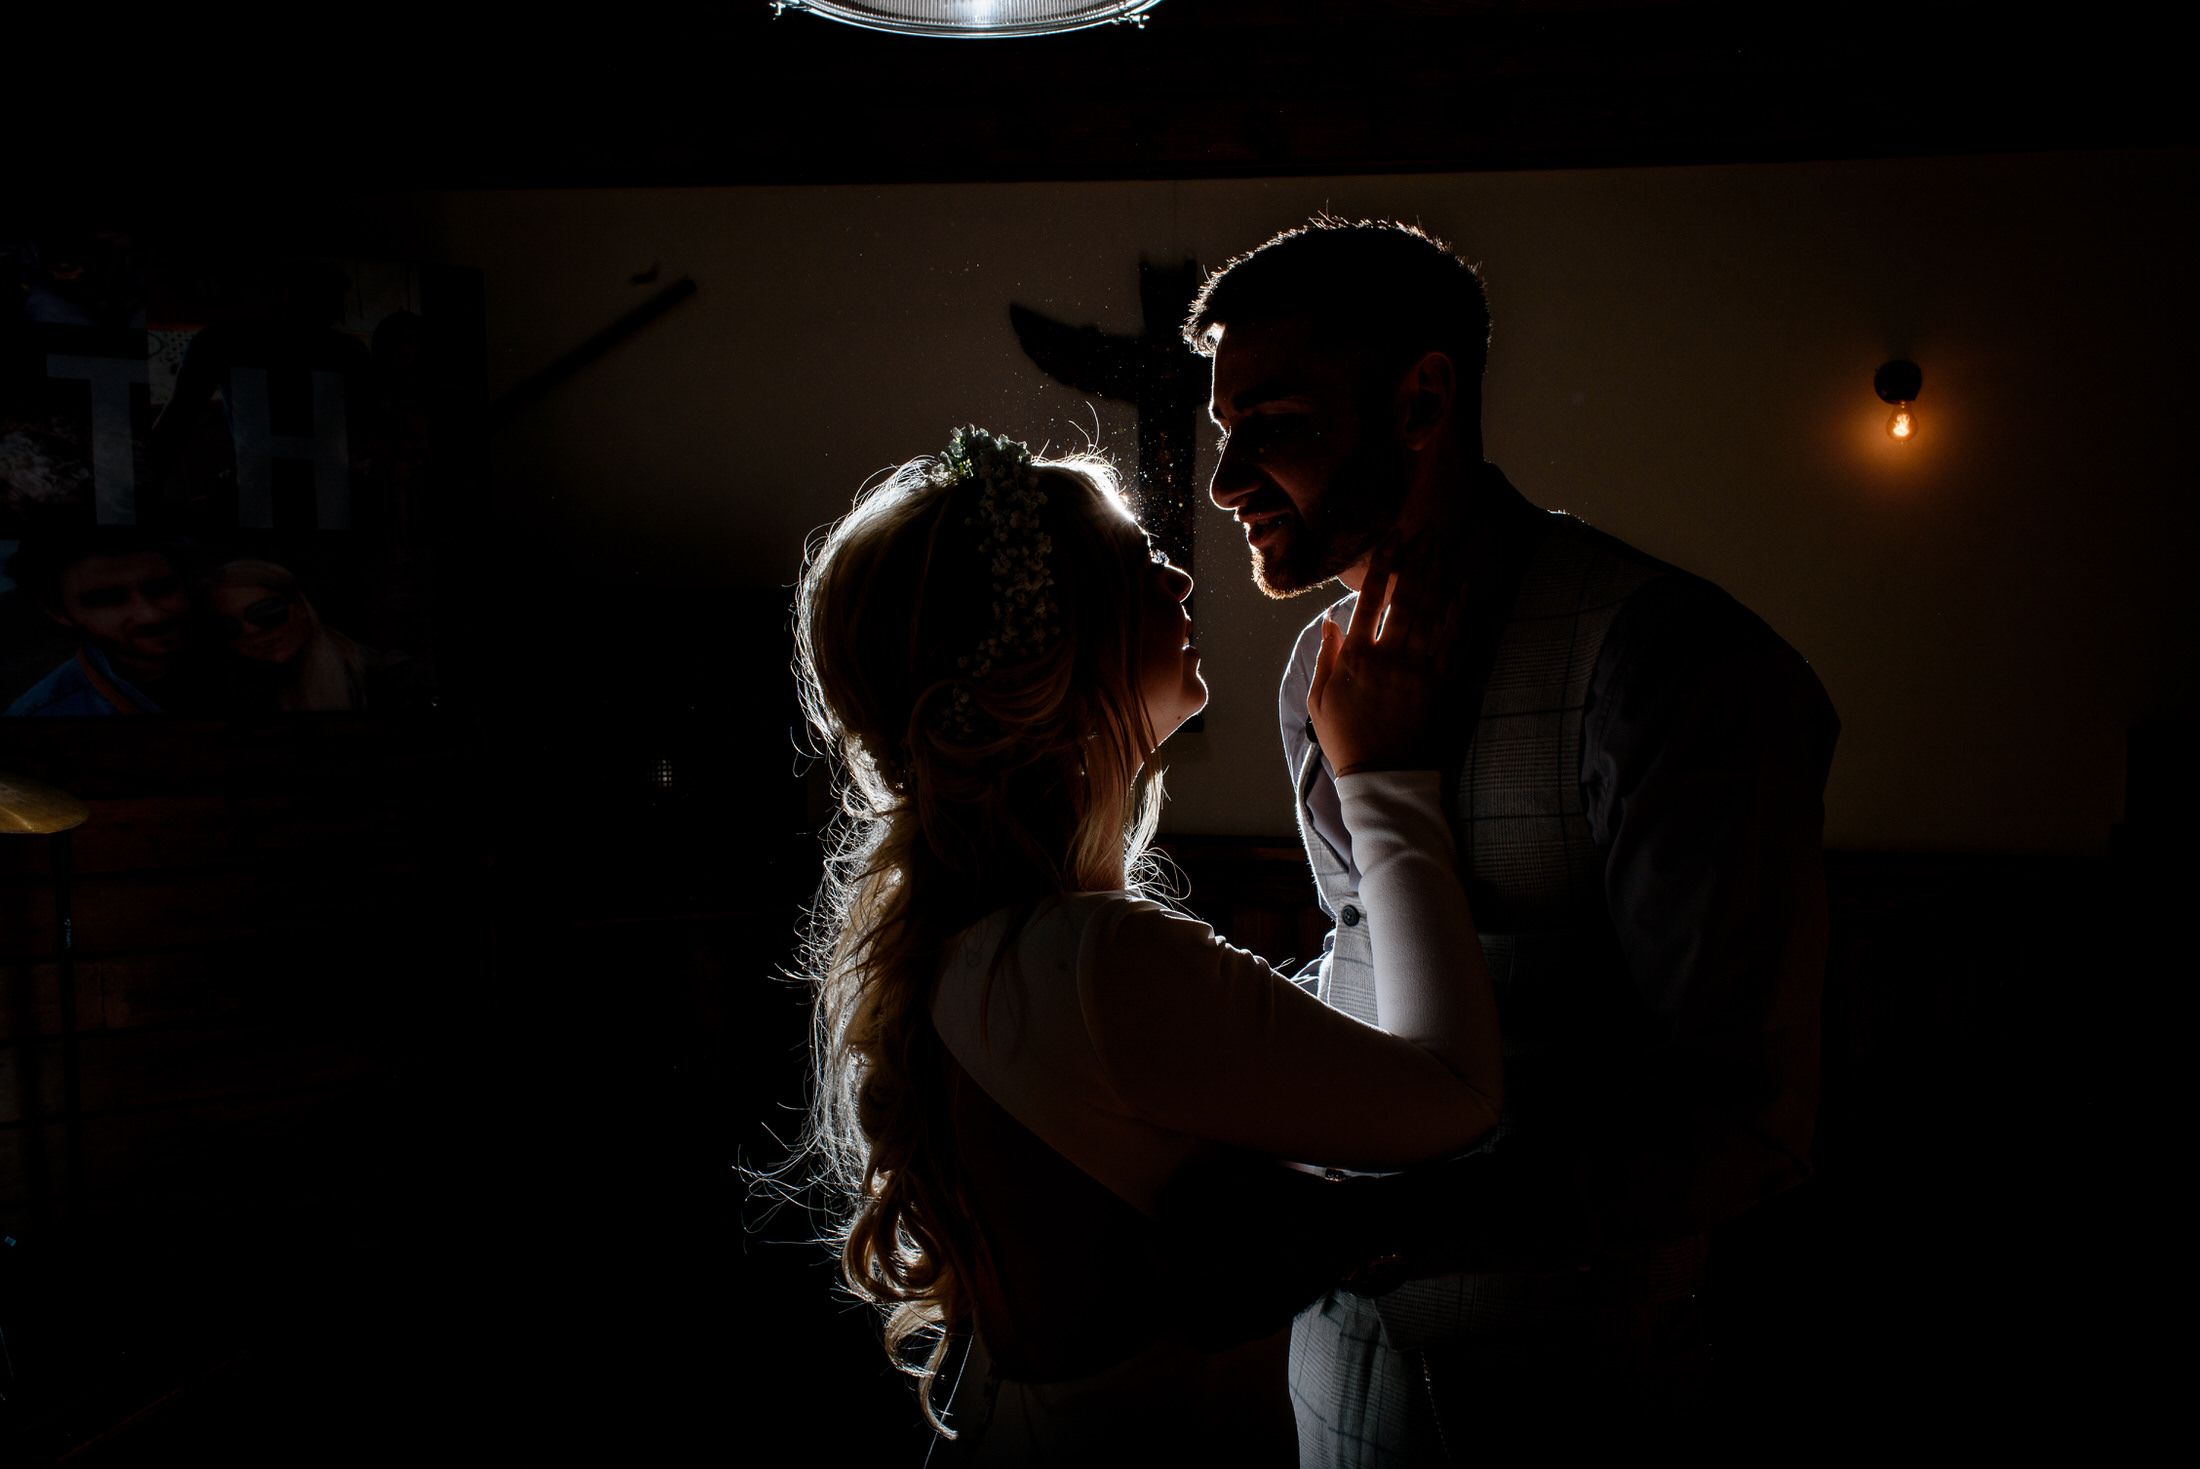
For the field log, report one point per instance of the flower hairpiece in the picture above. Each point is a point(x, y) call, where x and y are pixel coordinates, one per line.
point(1014, 549)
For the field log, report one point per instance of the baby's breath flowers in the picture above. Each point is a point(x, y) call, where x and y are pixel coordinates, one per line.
point(1015, 551)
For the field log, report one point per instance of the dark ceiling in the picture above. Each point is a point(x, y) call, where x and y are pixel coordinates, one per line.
point(730, 93)
point(1213, 87)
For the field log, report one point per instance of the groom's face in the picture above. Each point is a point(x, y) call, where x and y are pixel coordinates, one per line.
point(133, 607)
point(1313, 477)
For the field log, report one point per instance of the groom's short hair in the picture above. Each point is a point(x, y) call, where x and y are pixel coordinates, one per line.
point(42, 561)
point(1387, 290)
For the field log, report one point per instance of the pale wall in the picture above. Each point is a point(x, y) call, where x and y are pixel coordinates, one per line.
point(1682, 355)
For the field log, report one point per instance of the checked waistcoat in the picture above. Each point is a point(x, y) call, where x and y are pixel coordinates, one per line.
point(1533, 875)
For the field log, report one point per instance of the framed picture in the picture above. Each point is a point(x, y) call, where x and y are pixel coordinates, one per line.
point(230, 481)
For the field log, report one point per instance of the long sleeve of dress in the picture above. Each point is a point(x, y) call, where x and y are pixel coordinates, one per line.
point(1133, 1039)
point(1432, 986)
point(1244, 1057)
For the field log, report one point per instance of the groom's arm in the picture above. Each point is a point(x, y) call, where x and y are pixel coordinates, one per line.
point(1706, 745)
point(1705, 748)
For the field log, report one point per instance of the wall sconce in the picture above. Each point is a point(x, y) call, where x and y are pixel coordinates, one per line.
point(1897, 382)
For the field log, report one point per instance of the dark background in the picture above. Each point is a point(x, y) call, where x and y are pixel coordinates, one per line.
point(418, 1055)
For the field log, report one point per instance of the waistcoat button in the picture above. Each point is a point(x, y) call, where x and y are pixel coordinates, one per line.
point(1350, 917)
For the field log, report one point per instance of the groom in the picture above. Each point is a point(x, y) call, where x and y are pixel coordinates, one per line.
point(1634, 766)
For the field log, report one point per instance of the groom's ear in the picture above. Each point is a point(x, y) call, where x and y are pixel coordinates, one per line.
point(1427, 395)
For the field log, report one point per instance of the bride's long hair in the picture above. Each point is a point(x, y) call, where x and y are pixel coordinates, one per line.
point(1040, 785)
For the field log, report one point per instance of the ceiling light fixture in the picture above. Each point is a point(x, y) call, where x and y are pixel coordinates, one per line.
point(974, 19)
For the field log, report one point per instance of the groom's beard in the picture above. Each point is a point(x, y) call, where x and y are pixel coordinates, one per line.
point(1359, 508)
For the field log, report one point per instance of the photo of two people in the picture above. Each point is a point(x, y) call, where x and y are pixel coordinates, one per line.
point(167, 628)
point(225, 478)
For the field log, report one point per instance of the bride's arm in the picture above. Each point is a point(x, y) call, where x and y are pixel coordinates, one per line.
point(1373, 688)
point(1432, 986)
point(1246, 1058)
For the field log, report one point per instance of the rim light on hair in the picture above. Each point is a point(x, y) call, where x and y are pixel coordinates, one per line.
point(1016, 585)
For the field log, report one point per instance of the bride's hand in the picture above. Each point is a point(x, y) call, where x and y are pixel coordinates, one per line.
point(1376, 682)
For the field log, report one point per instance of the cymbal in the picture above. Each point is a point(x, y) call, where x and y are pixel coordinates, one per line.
point(29, 807)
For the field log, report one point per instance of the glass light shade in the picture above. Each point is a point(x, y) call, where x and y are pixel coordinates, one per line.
point(974, 18)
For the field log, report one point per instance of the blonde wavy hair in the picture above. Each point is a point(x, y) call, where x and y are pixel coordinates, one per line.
point(330, 669)
point(942, 821)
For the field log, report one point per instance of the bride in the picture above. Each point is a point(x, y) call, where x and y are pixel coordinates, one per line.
point(1019, 1053)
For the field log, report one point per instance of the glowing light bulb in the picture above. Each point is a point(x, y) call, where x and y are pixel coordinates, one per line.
point(1897, 384)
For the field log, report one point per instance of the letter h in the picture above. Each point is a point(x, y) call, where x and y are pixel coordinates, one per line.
point(259, 446)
